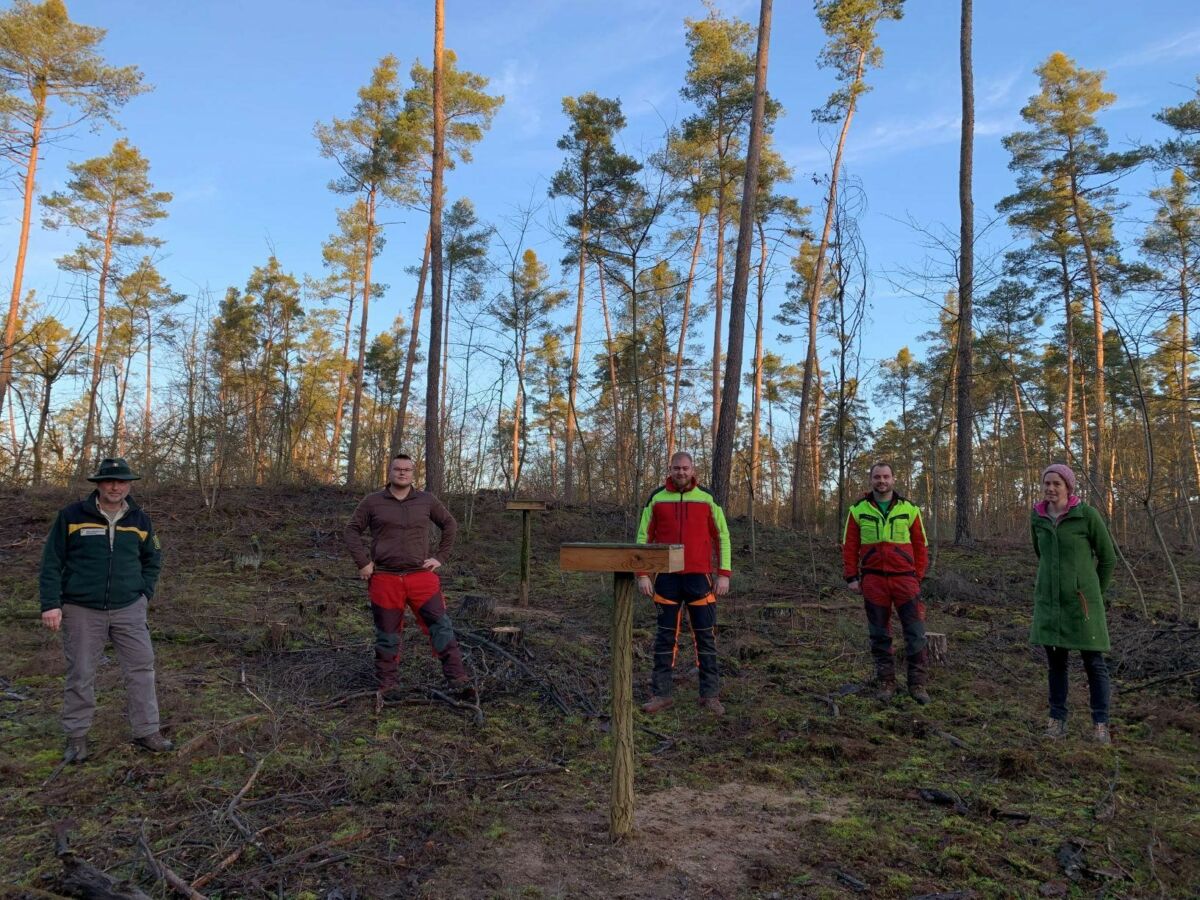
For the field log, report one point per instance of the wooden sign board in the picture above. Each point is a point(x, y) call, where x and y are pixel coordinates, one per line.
point(536, 505)
point(620, 557)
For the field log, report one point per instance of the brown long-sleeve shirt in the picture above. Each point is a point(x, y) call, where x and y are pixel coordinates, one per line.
point(399, 530)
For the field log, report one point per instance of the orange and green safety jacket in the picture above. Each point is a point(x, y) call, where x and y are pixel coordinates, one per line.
point(690, 517)
point(879, 543)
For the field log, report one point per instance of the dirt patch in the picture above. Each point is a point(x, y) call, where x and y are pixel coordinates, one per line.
point(687, 842)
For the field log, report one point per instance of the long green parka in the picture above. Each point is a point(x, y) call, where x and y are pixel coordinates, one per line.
point(1075, 567)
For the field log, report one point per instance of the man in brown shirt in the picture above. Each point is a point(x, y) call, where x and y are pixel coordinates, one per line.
point(399, 572)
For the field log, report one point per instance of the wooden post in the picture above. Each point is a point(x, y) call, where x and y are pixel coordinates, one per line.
point(620, 818)
point(526, 507)
point(622, 560)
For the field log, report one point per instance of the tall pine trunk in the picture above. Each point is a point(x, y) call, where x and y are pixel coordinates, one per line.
point(966, 277)
point(335, 442)
point(92, 426)
point(410, 361)
point(434, 463)
point(799, 513)
point(14, 302)
point(726, 433)
point(360, 363)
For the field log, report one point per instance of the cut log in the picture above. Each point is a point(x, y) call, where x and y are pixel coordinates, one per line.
point(776, 611)
point(477, 606)
point(81, 879)
point(939, 649)
point(508, 636)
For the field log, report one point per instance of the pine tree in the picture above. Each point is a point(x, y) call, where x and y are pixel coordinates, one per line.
point(111, 201)
point(48, 64)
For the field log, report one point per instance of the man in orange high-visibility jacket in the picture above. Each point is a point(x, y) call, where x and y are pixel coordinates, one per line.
point(682, 512)
point(884, 558)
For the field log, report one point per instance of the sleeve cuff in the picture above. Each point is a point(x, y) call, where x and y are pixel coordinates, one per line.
point(725, 573)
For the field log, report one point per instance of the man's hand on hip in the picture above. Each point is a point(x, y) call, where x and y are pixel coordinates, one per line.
point(431, 565)
point(52, 619)
point(645, 585)
point(367, 571)
point(722, 585)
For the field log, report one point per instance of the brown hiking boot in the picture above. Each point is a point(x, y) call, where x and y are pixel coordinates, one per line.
point(713, 705)
point(1056, 729)
point(918, 693)
point(155, 743)
point(464, 689)
point(76, 750)
point(657, 705)
point(885, 691)
point(1101, 734)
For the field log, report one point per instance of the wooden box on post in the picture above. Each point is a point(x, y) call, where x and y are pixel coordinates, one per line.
point(526, 507)
point(622, 560)
point(626, 558)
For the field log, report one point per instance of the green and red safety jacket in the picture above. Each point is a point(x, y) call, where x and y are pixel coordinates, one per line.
point(879, 543)
point(690, 517)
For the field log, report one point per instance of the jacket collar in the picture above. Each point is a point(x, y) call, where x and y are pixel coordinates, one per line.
point(897, 497)
point(1072, 503)
point(669, 485)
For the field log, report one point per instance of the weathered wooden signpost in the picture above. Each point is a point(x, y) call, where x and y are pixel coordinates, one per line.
point(526, 507)
point(623, 560)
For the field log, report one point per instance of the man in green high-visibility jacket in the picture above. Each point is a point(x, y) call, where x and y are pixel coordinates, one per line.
point(884, 558)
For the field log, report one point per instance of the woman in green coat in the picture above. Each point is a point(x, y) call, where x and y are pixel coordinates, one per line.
point(1075, 567)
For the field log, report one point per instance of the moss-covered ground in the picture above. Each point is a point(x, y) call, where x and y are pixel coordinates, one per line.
point(291, 780)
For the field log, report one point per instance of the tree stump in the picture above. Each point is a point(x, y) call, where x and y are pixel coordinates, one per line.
point(277, 636)
point(776, 611)
point(508, 636)
point(939, 649)
point(477, 606)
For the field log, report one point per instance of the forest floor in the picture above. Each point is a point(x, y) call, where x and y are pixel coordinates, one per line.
point(291, 781)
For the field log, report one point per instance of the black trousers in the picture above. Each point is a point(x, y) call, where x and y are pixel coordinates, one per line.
point(1099, 687)
point(672, 594)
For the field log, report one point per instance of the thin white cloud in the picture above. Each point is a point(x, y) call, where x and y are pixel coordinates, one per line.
point(997, 89)
point(900, 136)
point(514, 83)
point(1181, 46)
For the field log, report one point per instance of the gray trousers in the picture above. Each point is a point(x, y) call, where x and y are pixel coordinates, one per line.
point(85, 632)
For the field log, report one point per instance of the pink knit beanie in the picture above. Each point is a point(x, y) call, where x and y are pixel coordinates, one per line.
point(1064, 472)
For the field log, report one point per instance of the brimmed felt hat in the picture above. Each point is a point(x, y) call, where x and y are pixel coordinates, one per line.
point(114, 469)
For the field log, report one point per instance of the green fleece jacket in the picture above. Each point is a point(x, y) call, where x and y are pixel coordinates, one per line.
point(1075, 567)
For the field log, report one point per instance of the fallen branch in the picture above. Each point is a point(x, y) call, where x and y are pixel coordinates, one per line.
point(201, 739)
point(163, 872)
point(501, 776)
point(343, 841)
point(548, 688)
point(1178, 676)
point(231, 858)
point(457, 704)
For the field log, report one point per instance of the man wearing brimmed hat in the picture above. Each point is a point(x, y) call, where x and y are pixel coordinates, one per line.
point(99, 569)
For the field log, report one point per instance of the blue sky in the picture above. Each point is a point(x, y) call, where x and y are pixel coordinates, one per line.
point(239, 85)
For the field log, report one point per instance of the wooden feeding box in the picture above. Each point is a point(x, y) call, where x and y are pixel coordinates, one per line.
point(525, 507)
point(622, 560)
point(620, 557)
